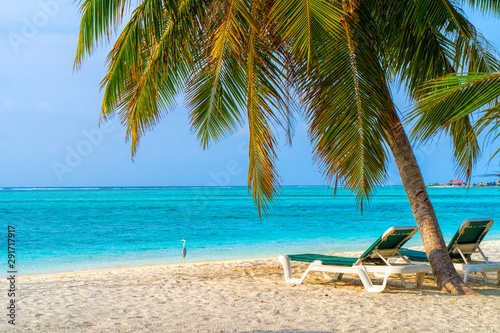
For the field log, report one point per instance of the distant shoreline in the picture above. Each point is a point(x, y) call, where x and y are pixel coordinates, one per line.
point(475, 186)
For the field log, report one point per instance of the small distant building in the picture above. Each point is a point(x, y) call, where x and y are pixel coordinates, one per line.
point(498, 182)
point(455, 182)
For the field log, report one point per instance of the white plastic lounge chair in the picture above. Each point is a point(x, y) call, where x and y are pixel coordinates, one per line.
point(462, 246)
point(378, 259)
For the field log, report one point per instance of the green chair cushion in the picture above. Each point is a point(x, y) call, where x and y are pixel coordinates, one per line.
point(392, 241)
point(470, 232)
point(325, 259)
point(414, 255)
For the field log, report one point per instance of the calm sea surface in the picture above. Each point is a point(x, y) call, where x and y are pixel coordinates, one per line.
point(74, 229)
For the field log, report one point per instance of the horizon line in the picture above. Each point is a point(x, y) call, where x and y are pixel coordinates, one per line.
point(155, 186)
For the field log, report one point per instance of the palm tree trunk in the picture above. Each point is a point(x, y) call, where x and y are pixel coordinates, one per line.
point(446, 276)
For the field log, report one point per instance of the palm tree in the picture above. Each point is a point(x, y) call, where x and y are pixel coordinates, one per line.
point(238, 60)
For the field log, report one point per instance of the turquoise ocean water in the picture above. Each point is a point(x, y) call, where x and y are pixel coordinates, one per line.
point(74, 229)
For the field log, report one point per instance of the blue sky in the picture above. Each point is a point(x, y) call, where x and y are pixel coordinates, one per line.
point(49, 134)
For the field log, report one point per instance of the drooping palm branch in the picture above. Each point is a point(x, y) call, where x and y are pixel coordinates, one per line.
point(450, 99)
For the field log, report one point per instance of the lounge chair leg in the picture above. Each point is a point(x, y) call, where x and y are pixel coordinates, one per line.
point(402, 279)
point(466, 275)
point(287, 270)
point(367, 282)
point(469, 270)
point(334, 277)
point(488, 280)
point(410, 284)
point(420, 279)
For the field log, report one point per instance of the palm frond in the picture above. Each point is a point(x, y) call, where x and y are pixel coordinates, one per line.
point(448, 105)
point(347, 106)
point(466, 150)
point(215, 93)
point(303, 23)
point(100, 19)
point(485, 6)
point(263, 96)
point(489, 122)
point(452, 97)
point(432, 39)
point(148, 66)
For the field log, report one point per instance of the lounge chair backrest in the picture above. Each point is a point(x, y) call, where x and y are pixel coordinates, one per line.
point(468, 237)
point(388, 244)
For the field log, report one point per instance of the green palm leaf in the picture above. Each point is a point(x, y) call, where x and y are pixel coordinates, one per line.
point(148, 66)
point(452, 97)
point(347, 103)
point(215, 92)
point(304, 23)
point(100, 18)
point(263, 96)
point(447, 106)
point(485, 6)
point(433, 39)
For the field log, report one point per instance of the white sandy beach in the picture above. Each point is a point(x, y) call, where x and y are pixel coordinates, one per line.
point(242, 296)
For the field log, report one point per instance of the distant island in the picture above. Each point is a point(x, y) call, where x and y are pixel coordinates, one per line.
point(461, 183)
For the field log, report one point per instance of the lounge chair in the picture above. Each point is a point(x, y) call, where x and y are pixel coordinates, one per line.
point(378, 259)
point(462, 246)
